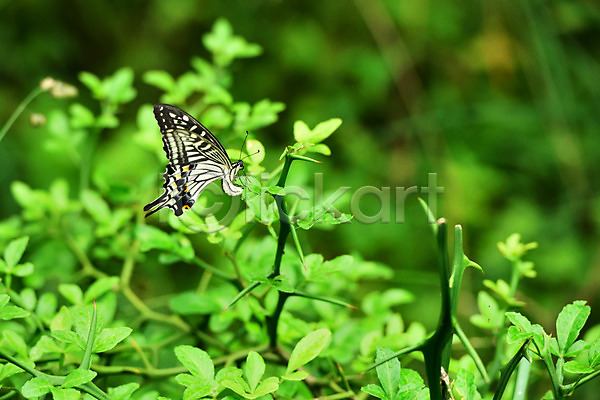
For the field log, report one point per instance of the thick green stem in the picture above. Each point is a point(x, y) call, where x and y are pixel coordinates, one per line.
point(284, 231)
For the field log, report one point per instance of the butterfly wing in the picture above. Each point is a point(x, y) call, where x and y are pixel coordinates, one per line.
point(196, 158)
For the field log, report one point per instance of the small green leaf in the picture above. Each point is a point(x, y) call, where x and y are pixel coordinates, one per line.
point(307, 349)
point(256, 151)
point(4, 299)
point(81, 116)
point(8, 370)
point(28, 298)
point(513, 249)
point(93, 83)
point(193, 303)
point(78, 377)
point(110, 337)
point(324, 129)
point(62, 321)
point(71, 292)
point(569, 323)
point(197, 361)
point(14, 342)
point(375, 391)
point(14, 251)
point(160, 79)
point(302, 132)
point(573, 367)
point(254, 369)
point(465, 386)
point(320, 148)
point(594, 354)
point(23, 270)
point(36, 387)
point(65, 394)
point(123, 392)
point(267, 386)
point(12, 312)
point(389, 372)
point(46, 306)
point(99, 287)
point(95, 205)
point(296, 376)
point(225, 46)
point(65, 336)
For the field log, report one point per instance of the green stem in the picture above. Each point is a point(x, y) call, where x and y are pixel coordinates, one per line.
point(471, 351)
point(436, 349)
point(284, 231)
point(19, 110)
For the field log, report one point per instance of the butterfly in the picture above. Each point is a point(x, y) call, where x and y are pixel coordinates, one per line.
point(196, 158)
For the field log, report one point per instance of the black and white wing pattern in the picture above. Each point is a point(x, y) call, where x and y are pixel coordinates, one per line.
point(196, 158)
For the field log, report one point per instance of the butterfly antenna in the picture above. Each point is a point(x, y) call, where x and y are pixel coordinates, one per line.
point(250, 155)
point(243, 143)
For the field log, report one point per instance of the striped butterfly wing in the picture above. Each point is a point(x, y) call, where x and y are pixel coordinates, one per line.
point(196, 158)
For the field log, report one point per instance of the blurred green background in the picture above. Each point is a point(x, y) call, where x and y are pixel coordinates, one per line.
point(500, 99)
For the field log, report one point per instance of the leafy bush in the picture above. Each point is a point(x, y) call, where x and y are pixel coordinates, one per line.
point(88, 306)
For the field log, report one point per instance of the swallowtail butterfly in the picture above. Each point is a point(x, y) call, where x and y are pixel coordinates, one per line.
point(196, 158)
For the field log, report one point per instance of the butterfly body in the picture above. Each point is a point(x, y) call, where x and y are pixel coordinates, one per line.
point(196, 158)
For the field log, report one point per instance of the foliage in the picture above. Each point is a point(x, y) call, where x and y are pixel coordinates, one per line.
point(219, 303)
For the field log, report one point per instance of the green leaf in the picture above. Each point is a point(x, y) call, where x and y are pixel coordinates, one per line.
point(320, 148)
point(389, 372)
point(296, 376)
point(101, 286)
point(46, 306)
point(160, 79)
point(573, 367)
point(64, 336)
point(324, 129)
point(267, 386)
point(110, 337)
point(569, 323)
point(14, 251)
point(14, 342)
point(307, 349)
point(4, 299)
point(225, 46)
point(302, 132)
point(71, 292)
point(12, 312)
point(28, 298)
point(375, 391)
point(256, 151)
point(465, 386)
point(193, 303)
point(280, 282)
point(254, 369)
point(122, 392)
point(62, 321)
point(8, 370)
point(36, 387)
point(197, 361)
point(513, 249)
point(118, 87)
point(93, 83)
point(81, 116)
point(95, 205)
point(594, 354)
point(65, 394)
point(23, 270)
point(197, 387)
point(78, 377)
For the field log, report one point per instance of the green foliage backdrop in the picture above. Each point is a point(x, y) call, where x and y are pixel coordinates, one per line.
point(499, 99)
